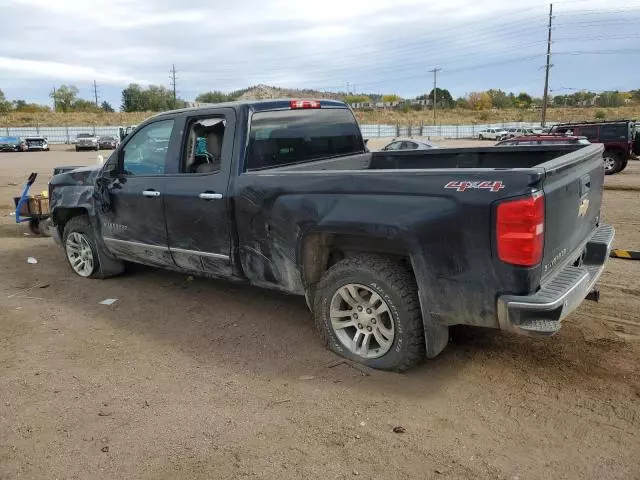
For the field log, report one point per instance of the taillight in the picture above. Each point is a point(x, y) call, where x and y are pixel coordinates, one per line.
point(520, 230)
point(296, 104)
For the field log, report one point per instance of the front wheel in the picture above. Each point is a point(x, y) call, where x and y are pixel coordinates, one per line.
point(83, 253)
point(480, 137)
point(366, 309)
point(612, 163)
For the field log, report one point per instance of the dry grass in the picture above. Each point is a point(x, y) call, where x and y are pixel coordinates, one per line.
point(466, 117)
point(58, 119)
point(445, 117)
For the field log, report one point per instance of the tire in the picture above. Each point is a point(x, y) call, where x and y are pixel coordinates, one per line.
point(77, 149)
point(399, 326)
point(78, 231)
point(34, 226)
point(613, 163)
point(480, 137)
point(46, 228)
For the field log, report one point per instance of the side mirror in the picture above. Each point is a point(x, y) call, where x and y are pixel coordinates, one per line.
point(366, 141)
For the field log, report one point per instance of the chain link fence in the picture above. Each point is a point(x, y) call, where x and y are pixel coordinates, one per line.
point(58, 135)
point(66, 135)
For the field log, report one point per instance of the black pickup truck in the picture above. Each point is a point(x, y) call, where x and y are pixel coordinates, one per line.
point(389, 248)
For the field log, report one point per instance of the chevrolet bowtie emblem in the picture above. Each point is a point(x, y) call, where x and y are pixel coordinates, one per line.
point(584, 206)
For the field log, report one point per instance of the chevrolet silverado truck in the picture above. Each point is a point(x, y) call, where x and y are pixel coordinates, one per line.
point(389, 248)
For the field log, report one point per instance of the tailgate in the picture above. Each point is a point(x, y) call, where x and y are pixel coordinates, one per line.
point(573, 194)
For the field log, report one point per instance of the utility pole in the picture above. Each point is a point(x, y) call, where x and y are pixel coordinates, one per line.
point(95, 92)
point(435, 93)
point(53, 95)
point(545, 99)
point(173, 84)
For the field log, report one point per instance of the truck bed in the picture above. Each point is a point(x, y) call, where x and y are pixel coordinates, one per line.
point(443, 158)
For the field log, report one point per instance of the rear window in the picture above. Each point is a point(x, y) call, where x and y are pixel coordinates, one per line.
point(614, 133)
point(285, 137)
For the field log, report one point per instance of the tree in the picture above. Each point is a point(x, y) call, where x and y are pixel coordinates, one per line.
point(106, 106)
point(390, 98)
point(132, 99)
point(214, 96)
point(65, 97)
point(610, 99)
point(23, 106)
point(479, 100)
point(81, 105)
point(155, 98)
point(444, 98)
point(356, 99)
point(523, 100)
point(462, 102)
point(5, 105)
point(500, 99)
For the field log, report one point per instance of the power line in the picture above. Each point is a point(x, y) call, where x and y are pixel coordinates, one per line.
point(545, 98)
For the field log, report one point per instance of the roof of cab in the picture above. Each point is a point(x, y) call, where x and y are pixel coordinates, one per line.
point(256, 105)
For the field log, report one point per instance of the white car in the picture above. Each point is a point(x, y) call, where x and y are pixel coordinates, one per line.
point(518, 132)
point(409, 144)
point(492, 134)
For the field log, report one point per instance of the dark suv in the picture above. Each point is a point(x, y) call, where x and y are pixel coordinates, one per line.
point(617, 136)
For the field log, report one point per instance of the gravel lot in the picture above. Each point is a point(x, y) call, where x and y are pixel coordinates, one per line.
point(201, 379)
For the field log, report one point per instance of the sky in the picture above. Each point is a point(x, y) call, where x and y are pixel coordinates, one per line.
point(376, 46)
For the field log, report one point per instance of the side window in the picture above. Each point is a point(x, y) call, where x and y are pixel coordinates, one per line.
point(203, 147)
point(146, 152)
point(591, 132)
point(393, 146)
point(411, 145)
point(614, 133)
point(285, 137)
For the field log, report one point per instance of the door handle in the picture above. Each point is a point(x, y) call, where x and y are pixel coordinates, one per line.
point(150, 193)
point(210, 196)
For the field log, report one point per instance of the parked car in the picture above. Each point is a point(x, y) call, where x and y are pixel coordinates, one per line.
point(86, 141)
point(389, 248)
point(492, 134)
point(37, 144)
point(107, 143)
point(548, 139)
point(617, 136)
point(12, 144)
point(409, 144)
point(518, 132)
point(124, 131)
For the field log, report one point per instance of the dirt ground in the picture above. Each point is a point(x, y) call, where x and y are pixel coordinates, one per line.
point(200, 379)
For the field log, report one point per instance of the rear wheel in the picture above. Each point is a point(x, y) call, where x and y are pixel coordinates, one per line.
point(480, 137)
point(612, 163)
point(366, 309)
point(77, 149)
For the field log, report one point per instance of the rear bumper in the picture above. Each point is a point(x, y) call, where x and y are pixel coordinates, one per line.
point(541, 313)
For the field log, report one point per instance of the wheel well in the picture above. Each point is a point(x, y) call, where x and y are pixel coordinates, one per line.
point(322, 250)
point(62, 215)
point(615, 151)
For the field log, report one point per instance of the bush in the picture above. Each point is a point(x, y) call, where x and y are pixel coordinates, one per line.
point(601, 114)
point(484, 116)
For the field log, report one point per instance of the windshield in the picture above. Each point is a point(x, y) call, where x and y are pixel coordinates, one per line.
point(85, 135)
